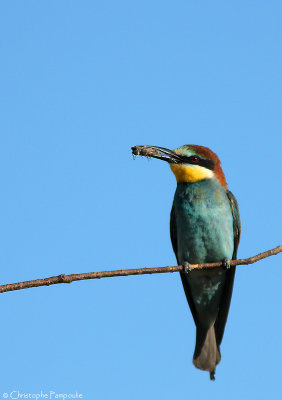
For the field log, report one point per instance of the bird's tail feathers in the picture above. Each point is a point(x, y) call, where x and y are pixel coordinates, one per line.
point(207, 353)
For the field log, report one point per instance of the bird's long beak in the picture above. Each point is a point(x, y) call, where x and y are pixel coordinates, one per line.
point(158, 152)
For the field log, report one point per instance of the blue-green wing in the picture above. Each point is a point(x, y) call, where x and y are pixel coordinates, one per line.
point(227, 290)
point(236, 222)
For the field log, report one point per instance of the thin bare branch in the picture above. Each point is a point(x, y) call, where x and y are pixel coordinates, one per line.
point(126, 272)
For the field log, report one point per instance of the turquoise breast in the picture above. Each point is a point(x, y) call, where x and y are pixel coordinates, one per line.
point(204, 222)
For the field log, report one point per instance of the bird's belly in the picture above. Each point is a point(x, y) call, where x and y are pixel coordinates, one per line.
point(206, 289)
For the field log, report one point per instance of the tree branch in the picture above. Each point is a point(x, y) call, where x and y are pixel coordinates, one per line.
point(126, 272)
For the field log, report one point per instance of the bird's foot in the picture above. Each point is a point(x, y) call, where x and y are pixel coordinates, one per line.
point(212, 375)
point(226, 263)
point(186, 267)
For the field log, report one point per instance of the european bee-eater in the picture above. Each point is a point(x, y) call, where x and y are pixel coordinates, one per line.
point(204, 227)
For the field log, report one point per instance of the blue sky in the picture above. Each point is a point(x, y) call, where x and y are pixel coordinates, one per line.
point(82, 82)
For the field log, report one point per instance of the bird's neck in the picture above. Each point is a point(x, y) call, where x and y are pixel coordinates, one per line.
point(204, 189)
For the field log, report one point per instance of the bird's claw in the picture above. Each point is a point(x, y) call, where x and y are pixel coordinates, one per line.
point(226, 263)
point(212, 375)
point(186, 267)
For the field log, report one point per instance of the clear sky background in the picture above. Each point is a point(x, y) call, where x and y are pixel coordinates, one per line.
point(82, 82)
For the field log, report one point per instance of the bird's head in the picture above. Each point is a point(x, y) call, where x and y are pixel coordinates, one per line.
point(189, 163)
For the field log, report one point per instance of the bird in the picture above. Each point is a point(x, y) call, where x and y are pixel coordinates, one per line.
point(205, 227)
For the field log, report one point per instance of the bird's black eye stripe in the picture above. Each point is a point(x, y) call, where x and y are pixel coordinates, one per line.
point(196, 160)
point(207, 164)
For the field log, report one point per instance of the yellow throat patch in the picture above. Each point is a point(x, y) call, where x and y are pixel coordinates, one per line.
point(193, 173)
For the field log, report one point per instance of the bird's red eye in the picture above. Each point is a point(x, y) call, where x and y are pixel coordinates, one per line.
point(194, 159)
